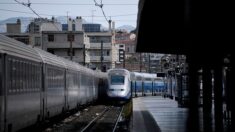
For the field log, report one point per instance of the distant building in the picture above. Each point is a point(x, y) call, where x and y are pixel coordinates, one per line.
point(72, 45)
point(73, 25)
point(69, 44)
point(152, 62)
point(126, 41)
point(91, 27)
point(37, 26)
point(14, 31)
point(96, 40)
point(84, 40)
point(14, 27)
point(43, 24)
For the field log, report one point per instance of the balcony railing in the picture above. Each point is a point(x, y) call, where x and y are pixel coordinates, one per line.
point(66, 45)
point(97, 58)
point(98, 45)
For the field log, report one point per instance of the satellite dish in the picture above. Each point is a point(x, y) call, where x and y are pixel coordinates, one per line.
point(132, 36)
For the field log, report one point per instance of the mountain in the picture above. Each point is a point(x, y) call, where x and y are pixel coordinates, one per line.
point(128, 28)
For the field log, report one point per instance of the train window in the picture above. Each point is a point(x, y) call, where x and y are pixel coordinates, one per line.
point(9, 72)
point(16, 76)
point(13, 76)
point(32, 78)
point(27, 76)
point(36, 77)
point(20, 76)
point(117, 79)
point(24, 76)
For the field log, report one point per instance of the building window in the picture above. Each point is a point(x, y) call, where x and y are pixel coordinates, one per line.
point(51, 38)
point(37, 41)
point(70, 37)
point(121, 46)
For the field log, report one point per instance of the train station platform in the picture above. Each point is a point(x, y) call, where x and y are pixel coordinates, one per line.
point(158, 114)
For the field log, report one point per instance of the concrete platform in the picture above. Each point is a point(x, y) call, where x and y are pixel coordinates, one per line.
point(158, 114)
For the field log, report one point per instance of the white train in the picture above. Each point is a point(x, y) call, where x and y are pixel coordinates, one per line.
point(119, 84)
point(36, 85)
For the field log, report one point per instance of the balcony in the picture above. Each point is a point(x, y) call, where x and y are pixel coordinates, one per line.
point(97, 59)
point(65, 45)
point(98, 45)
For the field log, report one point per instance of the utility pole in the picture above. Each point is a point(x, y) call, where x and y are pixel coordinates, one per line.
point(84, 54)
point(101, 55)
point(71, 48)
point(92, 15)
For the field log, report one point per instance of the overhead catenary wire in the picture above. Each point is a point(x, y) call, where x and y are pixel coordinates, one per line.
point(74, 4)
point(101, 7)
point(118, 15)
point(29, 6)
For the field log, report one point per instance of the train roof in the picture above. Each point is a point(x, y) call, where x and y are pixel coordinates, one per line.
point(117, 69)
point(51, 59)
point(136, 76)
point(143, 76)
point(149, 76)
point(16, 48)
point(70, 65)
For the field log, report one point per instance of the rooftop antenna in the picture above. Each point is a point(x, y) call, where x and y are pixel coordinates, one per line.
point(92, 15)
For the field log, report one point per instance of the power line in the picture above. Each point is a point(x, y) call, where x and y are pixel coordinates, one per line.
point(101, 7)
point(16, 11)
point(119, 15)
point(124, 15)
point(29, 6)
point(82, 4)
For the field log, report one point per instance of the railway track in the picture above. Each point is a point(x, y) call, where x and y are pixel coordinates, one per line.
point(107, 121)
point(94, 118)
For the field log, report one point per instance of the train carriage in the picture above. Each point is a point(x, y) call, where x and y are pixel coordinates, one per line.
point(36, 85)
point(20, 93)
point(72, 84)
point(54, 84)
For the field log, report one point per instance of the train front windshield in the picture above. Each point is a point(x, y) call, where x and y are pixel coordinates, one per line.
point(117, 80)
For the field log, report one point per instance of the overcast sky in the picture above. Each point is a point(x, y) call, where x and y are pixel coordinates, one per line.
point(123, 12)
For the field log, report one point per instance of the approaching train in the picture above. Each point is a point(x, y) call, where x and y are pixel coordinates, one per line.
point(147, 83)
point(119, 84)
point(36, 85)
